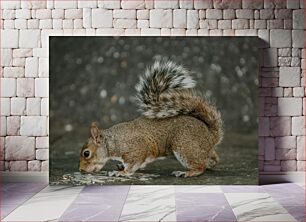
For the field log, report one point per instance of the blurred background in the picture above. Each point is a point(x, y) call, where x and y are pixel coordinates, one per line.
point(93, 79)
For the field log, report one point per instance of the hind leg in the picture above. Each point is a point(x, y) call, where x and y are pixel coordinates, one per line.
point(214, 159)
point(195, 163)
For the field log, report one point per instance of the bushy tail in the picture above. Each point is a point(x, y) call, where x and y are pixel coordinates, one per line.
point(166, 90)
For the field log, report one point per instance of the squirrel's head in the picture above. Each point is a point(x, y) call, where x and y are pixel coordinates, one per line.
point(93, 154)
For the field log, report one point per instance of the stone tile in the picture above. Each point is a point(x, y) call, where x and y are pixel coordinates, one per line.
point(29, 38)
point(20, 165)
point(125, 23)
point(280, 126)
point(45, 24)
point(286, 142)
point(179, 18)
point(45, 165)
point(3, 132)
point(124, 14)
point(186, 4)
point(109, 4)
point(87, 4)
point(34, 165)
point(293, 4)
point(58, 13)
point(280, 38)
point(252, 4)
point(7, 57)
point(288, 165)
point(283, 14)
point(13, 72)
point(298, 125)
point(285, 154)
point(178, 32)
point(66, 4)
point(19, 148)
point(166, 4)
point(271, 168)
point(227, 4)
point(132, 4)
point(301, 148)
point(8, 24)
point(150, 32)
point(43, 13)
point(160, 18)
point(214, 14)
point(298, 38)
point(269, 148)
point(240, 24)
point(20, 23)
point(5, 106)
point(229, 13)
point(224, 24)
point(245, 13)
point(289, 106)
point(8, 14)
point(21, 53)
point(33, 106)
point(13, 125)
point(102, 18)
point(9, 38)
point(142, 24)
point(192, 19)
point(298, 92)
point(298, 19)
point(143, 14)
point(19, 62)
point(41, 87)
point(18, 106)
point(25, 87)
point(42, 154)
point(33, 126)
point(73, 13)
point(44, 107)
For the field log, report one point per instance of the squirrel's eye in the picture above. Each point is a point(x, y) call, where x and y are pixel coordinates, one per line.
point(86, 153)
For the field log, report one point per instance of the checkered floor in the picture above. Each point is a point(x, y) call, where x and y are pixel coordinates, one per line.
point(40, 202)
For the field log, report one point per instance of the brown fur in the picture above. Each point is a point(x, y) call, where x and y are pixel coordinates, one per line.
point(143, 138)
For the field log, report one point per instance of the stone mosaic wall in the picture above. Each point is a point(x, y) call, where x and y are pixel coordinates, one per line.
point(26, 25)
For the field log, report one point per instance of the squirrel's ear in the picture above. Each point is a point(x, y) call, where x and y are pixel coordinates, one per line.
point(96, 134)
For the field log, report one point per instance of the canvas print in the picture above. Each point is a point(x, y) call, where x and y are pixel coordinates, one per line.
point(153, 110)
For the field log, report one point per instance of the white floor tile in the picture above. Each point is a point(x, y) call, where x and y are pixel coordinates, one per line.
point(257, 207)
point(47, 205)
point(149, 203)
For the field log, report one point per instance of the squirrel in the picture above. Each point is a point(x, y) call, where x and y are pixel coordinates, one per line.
point(175, 120)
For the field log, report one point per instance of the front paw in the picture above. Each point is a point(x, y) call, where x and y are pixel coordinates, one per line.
point(118, 173)
point(179, 173)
